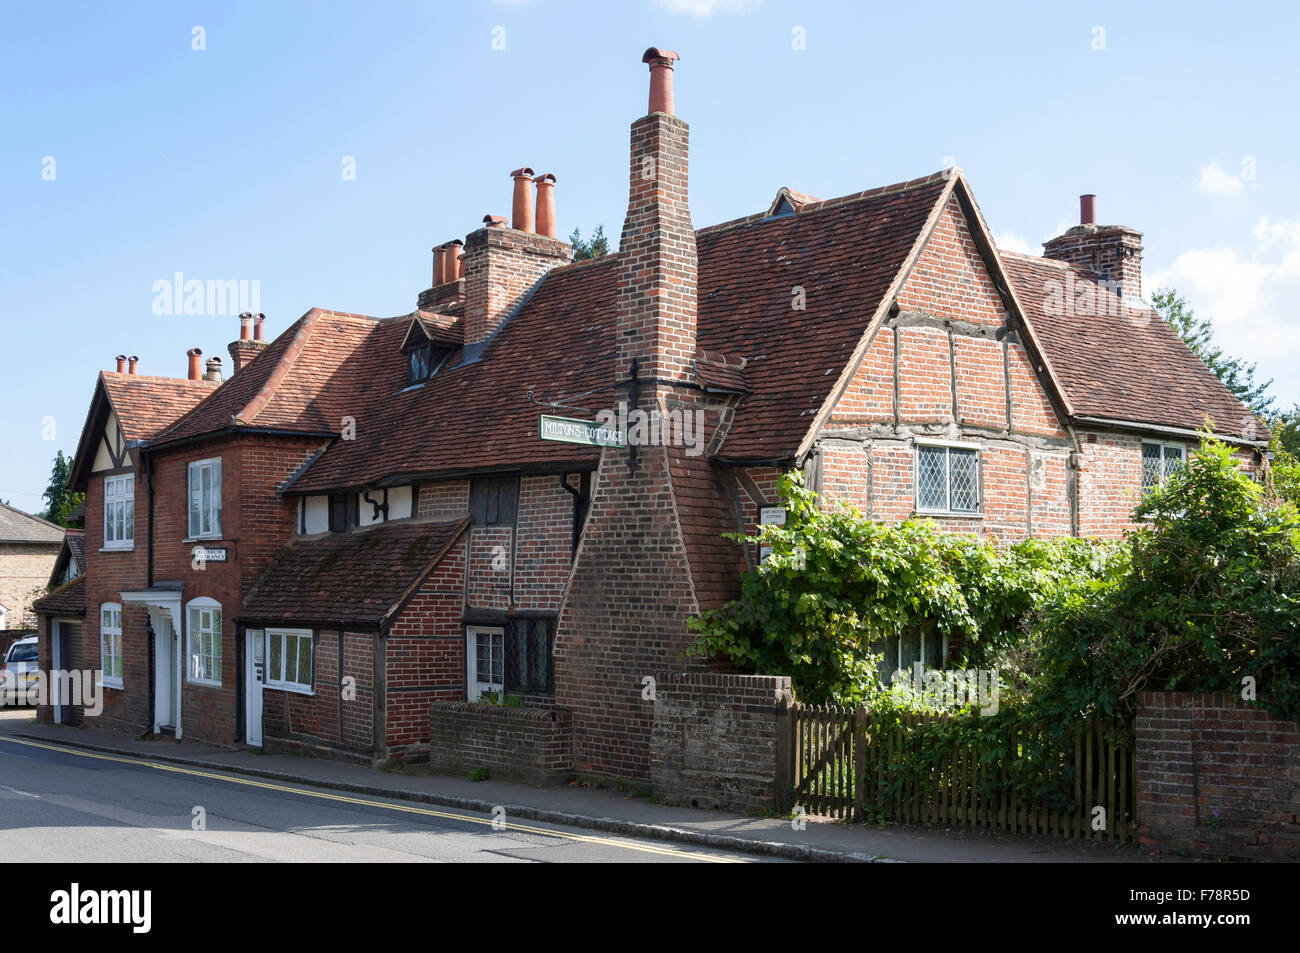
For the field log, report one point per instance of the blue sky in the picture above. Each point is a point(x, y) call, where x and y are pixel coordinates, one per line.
point(129, 155)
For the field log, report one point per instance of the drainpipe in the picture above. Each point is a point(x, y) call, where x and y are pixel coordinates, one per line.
point(147, 460)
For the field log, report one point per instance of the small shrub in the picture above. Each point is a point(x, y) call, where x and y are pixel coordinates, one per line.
point(479, 773)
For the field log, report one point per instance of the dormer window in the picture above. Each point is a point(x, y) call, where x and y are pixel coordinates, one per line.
point(423, 356)
point(417, 363)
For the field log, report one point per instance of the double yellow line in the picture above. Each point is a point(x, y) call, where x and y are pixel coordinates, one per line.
point(367, 802)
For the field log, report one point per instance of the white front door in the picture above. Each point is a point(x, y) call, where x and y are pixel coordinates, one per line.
point(254, 679)
point(485, 659)
point(166, 673)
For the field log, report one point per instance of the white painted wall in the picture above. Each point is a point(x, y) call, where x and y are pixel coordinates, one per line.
point(316, 514)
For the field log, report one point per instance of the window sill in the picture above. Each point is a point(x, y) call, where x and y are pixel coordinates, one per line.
point(202, 683)
point(948, 514)
point(117, 549)
point(115, 683)
point(203, 539)
point(295, 689)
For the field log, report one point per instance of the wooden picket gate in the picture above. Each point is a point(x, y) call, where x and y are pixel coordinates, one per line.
point(1033, 784)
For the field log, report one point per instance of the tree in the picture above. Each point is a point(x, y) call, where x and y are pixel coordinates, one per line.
point(1198, 333)
point(597, 247)
point(61, 500)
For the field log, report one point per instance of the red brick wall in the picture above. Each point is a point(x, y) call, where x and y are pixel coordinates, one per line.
point(949, 366)
point(327, 716)
point(501, 264)
point(256, 522)
point(425, 655)
point(1199, 756)
point(108, 574)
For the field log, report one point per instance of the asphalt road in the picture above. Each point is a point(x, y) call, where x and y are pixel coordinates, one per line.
point(62, 804)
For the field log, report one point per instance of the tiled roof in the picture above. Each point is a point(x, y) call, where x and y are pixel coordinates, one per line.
point(306, 380)
point(77, 544)
point(67, 599)
point(560, 346)
point(145, 405)
point(359, 578)
point(19, 527)
point(706, 510)
point(479, 415)
point(1127, 364)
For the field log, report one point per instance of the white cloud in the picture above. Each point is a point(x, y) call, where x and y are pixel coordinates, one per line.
point(1014, 241)
point(1251, 298)
point(1216, 181)
point(706, 8)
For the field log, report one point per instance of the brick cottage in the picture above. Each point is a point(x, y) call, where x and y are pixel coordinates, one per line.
point(362, 532)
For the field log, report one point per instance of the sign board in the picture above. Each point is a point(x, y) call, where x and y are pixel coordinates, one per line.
point(569, 430)
point(210, 554)
point(771, 515)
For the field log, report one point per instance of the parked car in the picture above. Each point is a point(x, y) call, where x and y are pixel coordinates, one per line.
point(18, 671)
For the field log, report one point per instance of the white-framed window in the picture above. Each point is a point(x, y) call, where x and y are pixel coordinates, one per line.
point(203, 625)
point(119, 511)
point(485, 661)
point(289, 660)
point(110, 645)
point(205, 499)
point(1159, 460)
point(947, 478)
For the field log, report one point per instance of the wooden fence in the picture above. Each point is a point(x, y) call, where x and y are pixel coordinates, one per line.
point(1018, 779)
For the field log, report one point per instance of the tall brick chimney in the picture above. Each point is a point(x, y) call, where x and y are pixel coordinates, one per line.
point(250, 343)
point(630, 595)
point(657, 276)
point(1114, 252)
point(501, 266)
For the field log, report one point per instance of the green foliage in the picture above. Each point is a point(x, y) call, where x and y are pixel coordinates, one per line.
point(1198, 333)
point(61, 501)
point(596, 247)
point(1210, 596)
point(836, 586)
point(479, 773)
point(1284, 472)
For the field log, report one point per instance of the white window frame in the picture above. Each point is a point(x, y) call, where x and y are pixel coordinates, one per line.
point(194, 609)
point(473, 687)
point(119, 509)
point(1164, 465)
point(196, 468)
point(110, 638)
point(273, 679)
point(979, 478)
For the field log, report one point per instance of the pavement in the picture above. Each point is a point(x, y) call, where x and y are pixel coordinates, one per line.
point(589, 808)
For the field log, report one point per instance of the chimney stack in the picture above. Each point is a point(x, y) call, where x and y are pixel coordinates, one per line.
point(657, 281)
point(214, 370)
point(439, 264)
point(250, 343)
point(1112, 252)
point(661, 79)
point(194, 354)
point(453, 259)
point(521, 209)
point(501, 266)
point(121, 363)
point(132, 361)
point(545, 204)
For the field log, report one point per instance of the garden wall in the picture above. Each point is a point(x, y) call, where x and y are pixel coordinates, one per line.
point(521, 744)
point(1217, 777)
point(721, 741)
